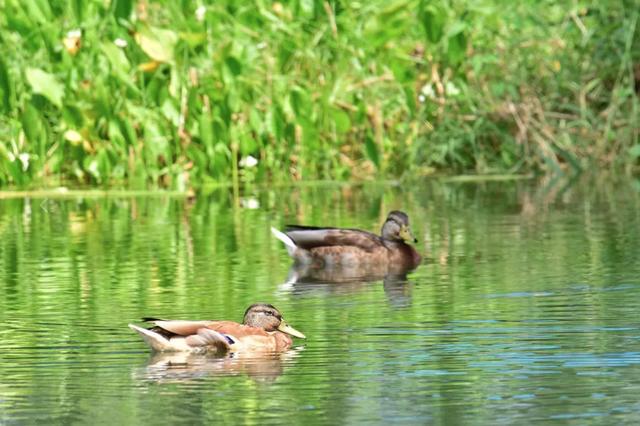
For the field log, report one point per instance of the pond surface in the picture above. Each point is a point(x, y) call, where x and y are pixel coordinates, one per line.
point(526, 308)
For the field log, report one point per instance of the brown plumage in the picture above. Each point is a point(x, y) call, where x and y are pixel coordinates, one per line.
point(263, 329)
point(338, 246)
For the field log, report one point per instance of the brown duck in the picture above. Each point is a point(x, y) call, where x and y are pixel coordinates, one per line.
point(262, 329)
point(327, 247)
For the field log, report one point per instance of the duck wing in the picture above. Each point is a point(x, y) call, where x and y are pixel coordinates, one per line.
point(203, 339)
point(309, 237)
point(180, 327)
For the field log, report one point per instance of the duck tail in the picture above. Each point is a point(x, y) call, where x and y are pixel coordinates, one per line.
point(154, 340)
point(288, 242)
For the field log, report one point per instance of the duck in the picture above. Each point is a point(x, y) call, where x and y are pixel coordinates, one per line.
point(262, 330)
point(338, 247)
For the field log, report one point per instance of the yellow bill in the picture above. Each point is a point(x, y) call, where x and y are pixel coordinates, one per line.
point(405, 234)
point(286, 328)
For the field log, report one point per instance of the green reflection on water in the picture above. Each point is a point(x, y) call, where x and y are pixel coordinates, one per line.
point(524, 309)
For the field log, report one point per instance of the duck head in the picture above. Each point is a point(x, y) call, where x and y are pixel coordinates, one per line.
point(266, 316)
point(396, 228)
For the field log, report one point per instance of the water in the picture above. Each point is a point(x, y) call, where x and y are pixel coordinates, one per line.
point(525, 308)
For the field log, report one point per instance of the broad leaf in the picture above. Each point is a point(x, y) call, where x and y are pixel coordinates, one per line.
point(157, 43)
point(372, 150)
point(45, 84)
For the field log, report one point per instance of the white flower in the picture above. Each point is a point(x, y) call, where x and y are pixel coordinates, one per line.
point(421, 98)
point(77, 33)
point(261, 45)
point(248, 161)
point(120, 42)
point(200, 12)
point(24, 158)
point(451, 89)
point(428, 92)
point(73, 136)
point(250, 203)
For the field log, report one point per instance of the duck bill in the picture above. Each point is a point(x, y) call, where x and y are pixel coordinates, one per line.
point(407, 235)
point(286, 328)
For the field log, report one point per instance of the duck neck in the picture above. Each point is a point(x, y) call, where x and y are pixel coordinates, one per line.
point(393, 244)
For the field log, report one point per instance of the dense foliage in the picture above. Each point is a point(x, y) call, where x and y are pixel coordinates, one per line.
point(181, 93)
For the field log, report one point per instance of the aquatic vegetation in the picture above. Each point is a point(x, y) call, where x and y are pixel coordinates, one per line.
point(175, 94)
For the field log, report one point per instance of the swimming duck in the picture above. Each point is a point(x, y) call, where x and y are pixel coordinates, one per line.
point(326, 247)
point(262, 329)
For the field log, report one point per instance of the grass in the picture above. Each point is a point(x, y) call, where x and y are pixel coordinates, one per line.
point(182, 94)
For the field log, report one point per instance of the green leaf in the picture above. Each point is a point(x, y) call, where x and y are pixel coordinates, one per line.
point(118, 60)
point(342, 120)
point(234, 65)
point(170, 111)
point(6, 86)
point(433, 19)
point(248, 144)
point(372, 150)
point(634, 151)
point(157, 43)
point(72, 116)
point(122, 8)
point(300, 103)
point(32, 125)
point(410, 99)
point(45, 84)
point(78, 7)
point(206, 131)
point(37, 10)
point(457, 48)
point(128, 131)
point(306, 7)
point(194, 39)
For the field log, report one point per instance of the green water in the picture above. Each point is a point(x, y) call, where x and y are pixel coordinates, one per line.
point(526, 308)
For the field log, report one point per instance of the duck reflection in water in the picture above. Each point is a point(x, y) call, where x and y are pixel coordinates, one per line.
point(171, 367)
point(305, 279)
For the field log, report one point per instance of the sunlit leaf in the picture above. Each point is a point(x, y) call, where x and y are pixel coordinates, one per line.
point(118, 60)
point(45, 84)
point(194, 39)
point(157, 43)
point(78, 7)
point(306, 7)
point(37, 10)
point(73, 136)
